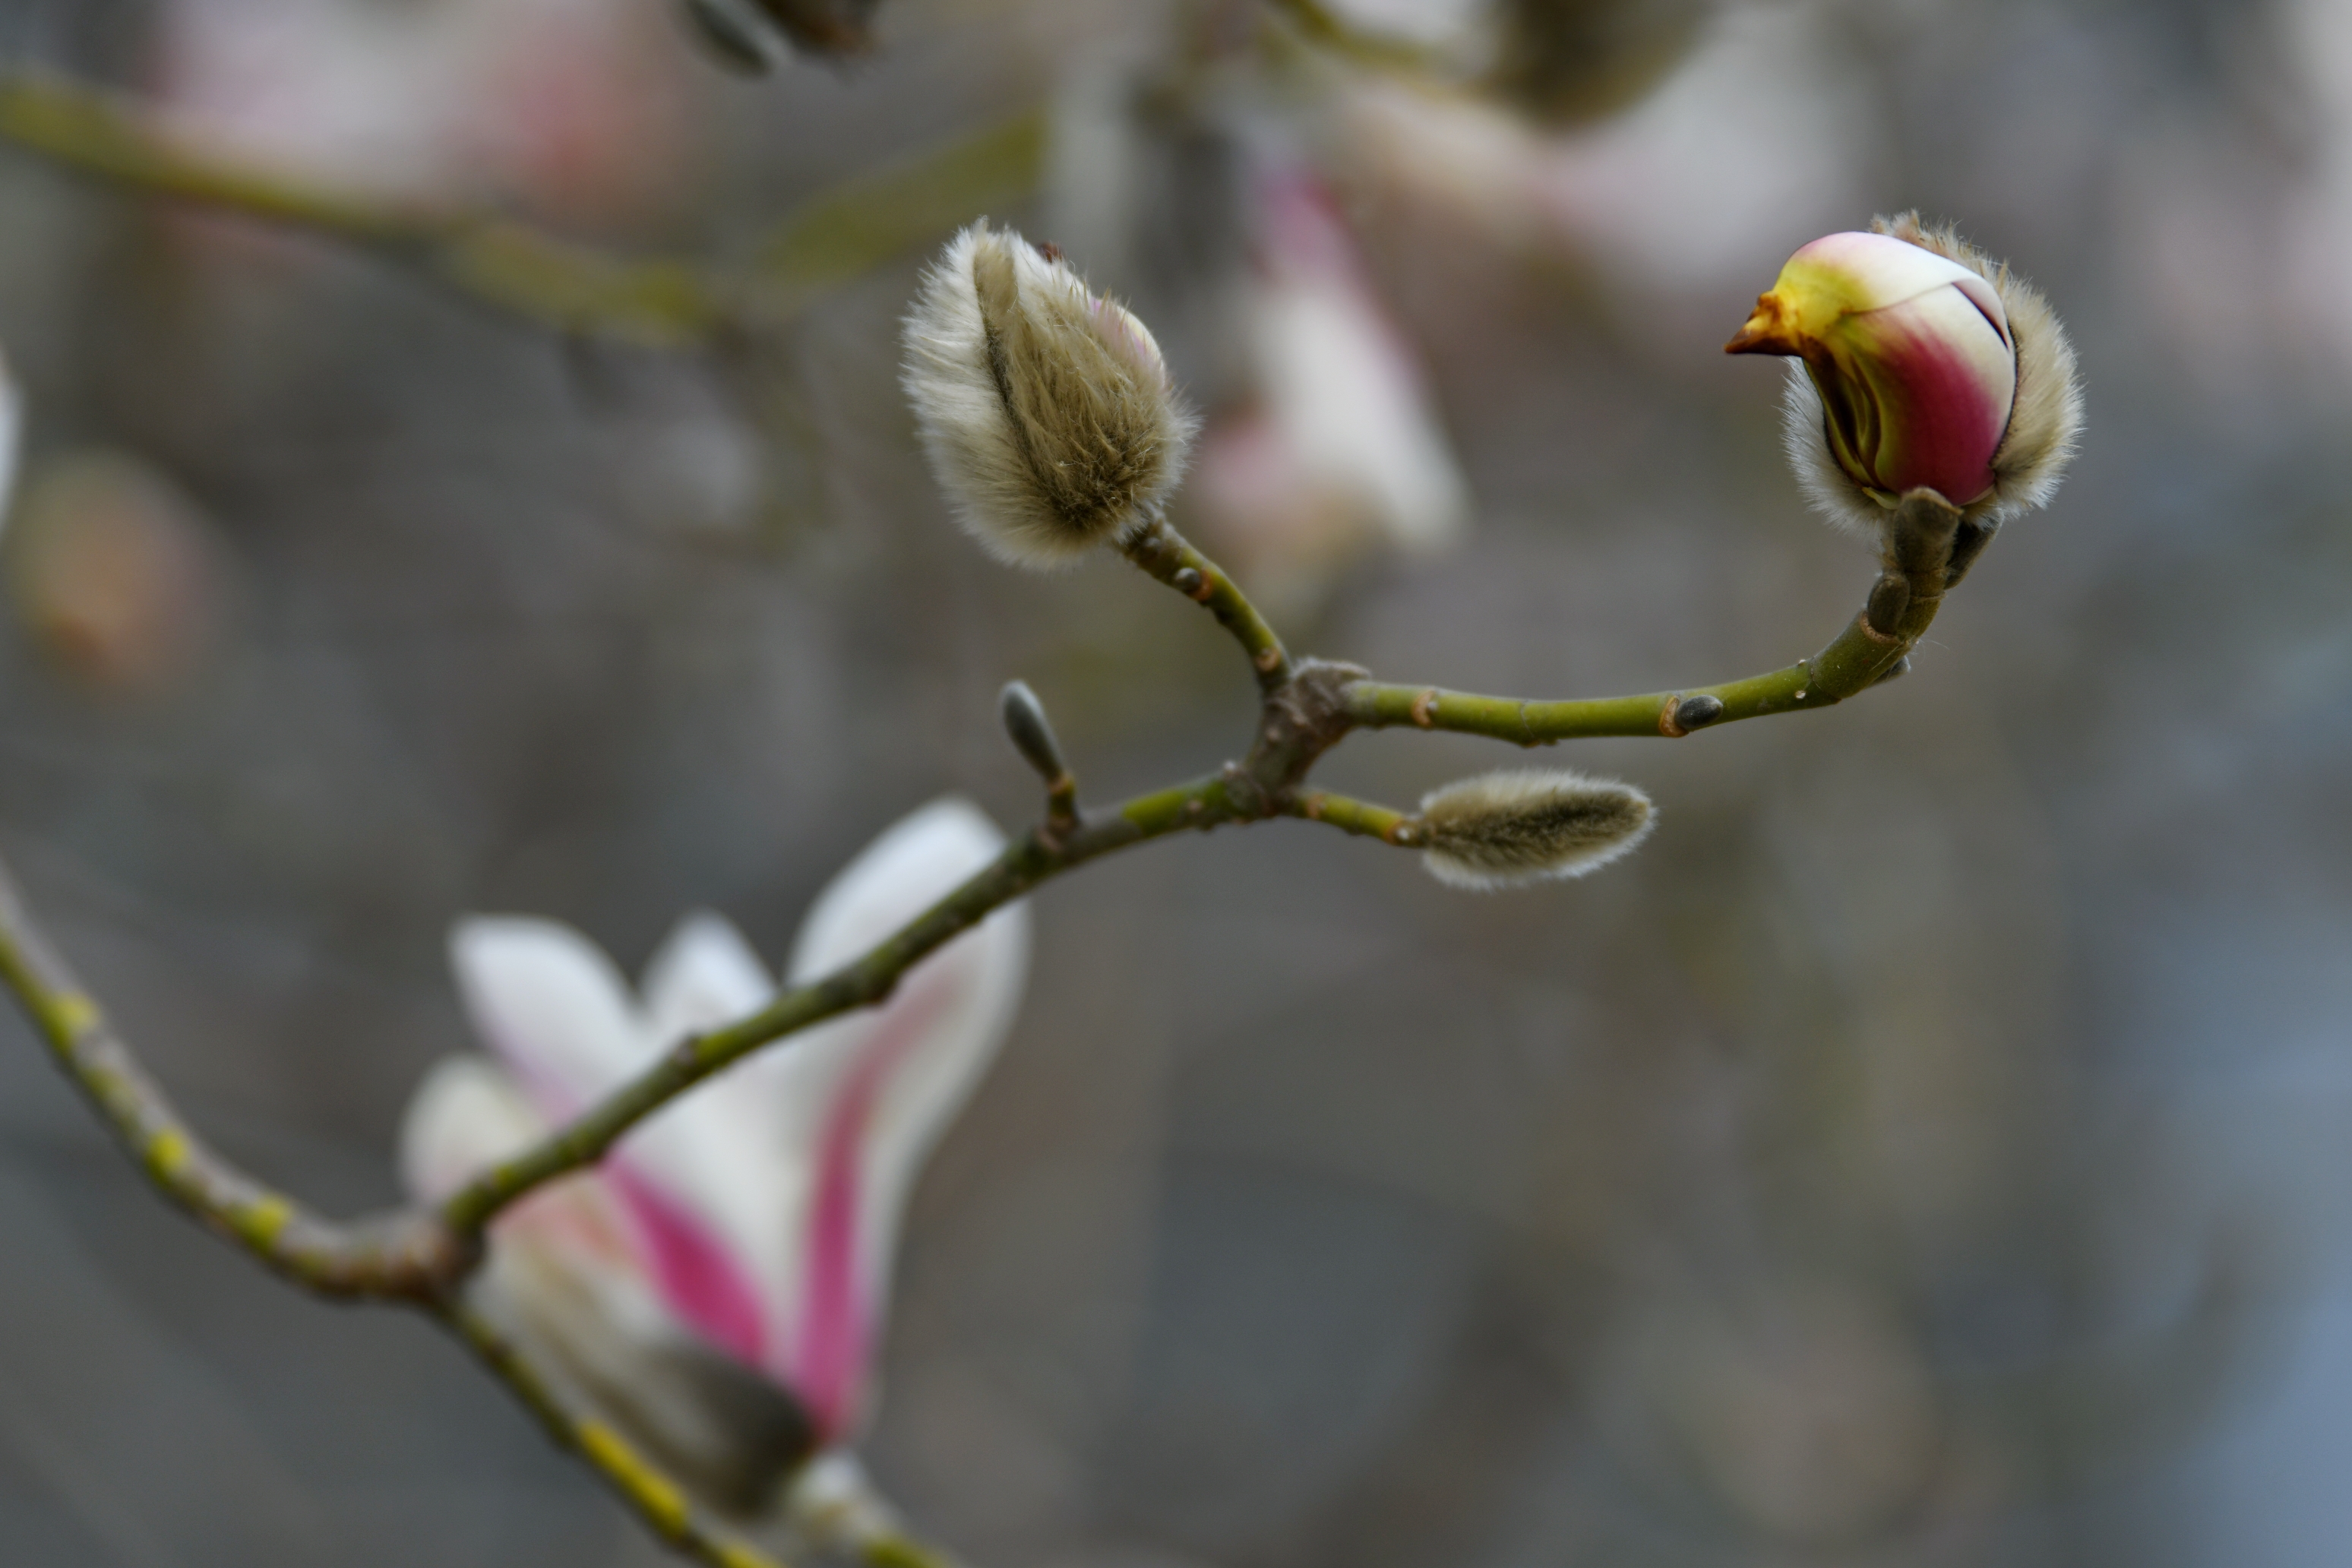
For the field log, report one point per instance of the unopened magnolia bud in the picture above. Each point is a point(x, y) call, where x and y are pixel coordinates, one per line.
point(1045, 410)
point(1032, 736)
point(1503, 829)
point(1925, 365)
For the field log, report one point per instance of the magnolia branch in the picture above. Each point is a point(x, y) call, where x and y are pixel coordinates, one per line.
point(1308, 709)
point(1048, 414)
point(422, 1257)
point(498, 261)
point(1929, 550)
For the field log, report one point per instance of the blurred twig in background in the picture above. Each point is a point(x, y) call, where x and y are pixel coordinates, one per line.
point(665, 302)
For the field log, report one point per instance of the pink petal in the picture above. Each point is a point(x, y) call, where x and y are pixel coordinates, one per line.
point(695, 1273)
point(1945, 379)
point(829, 1356)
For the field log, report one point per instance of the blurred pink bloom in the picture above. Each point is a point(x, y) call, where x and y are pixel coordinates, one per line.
point(114, 571)
point(760, 1211)
point(1340, 447)
point(573, 107)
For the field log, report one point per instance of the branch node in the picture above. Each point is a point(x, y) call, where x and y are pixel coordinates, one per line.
point(1881, 615)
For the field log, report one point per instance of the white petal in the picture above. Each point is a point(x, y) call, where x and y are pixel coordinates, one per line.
point(467, 1115)
point(695, 1189)
point(705, 975)
point(553, 1008)
point(717, 1148)
point(918, 861)
point(1340, 376)
point(865, 1096)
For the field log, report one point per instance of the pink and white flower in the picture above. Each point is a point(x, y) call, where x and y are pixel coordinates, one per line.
point(1911, 352)
point(756, 1216)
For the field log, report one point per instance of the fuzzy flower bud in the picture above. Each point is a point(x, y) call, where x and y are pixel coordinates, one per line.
point(1925, 365)
point(1508, 828)
point(1045, 410)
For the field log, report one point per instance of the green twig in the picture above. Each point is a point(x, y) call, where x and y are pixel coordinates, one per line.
point(481, 253)
point(843, 234)
point(657, 1500)
point(1920, 552)
point(1307, 706)
point(1360, 817)
point(1167, 555)
point(408, 1256)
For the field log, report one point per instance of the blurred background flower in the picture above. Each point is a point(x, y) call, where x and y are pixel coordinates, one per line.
point(756, 1217)
point(1927, 1152)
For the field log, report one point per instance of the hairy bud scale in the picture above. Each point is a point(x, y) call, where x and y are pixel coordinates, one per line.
point(1519, 825)
point(1045, 410)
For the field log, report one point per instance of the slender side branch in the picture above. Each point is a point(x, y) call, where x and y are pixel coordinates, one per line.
point(1300, 720)
point(407, 1256)
point(1169, 556)
point(1360, 817)
point(495, 258)
point(842, 234)
point(664, 302)
point(1922, 560)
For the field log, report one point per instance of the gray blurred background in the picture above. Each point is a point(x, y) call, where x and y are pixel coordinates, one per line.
point(1926, 1150)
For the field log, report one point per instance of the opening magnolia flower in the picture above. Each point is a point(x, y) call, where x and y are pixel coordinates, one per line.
point(1925, 365)
point(749, 1226)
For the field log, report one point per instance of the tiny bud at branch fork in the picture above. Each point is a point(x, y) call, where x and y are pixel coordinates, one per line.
point(1045, 410)
point(1509, 828)
point(1032, 733)
point(1925, 365)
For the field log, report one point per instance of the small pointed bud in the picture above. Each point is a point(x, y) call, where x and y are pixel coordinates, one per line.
point(1890, 597)
point(1697, 712)
point(1032, 735)
point(1505, 829)
point(1045, 410)
point(1925, 366)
